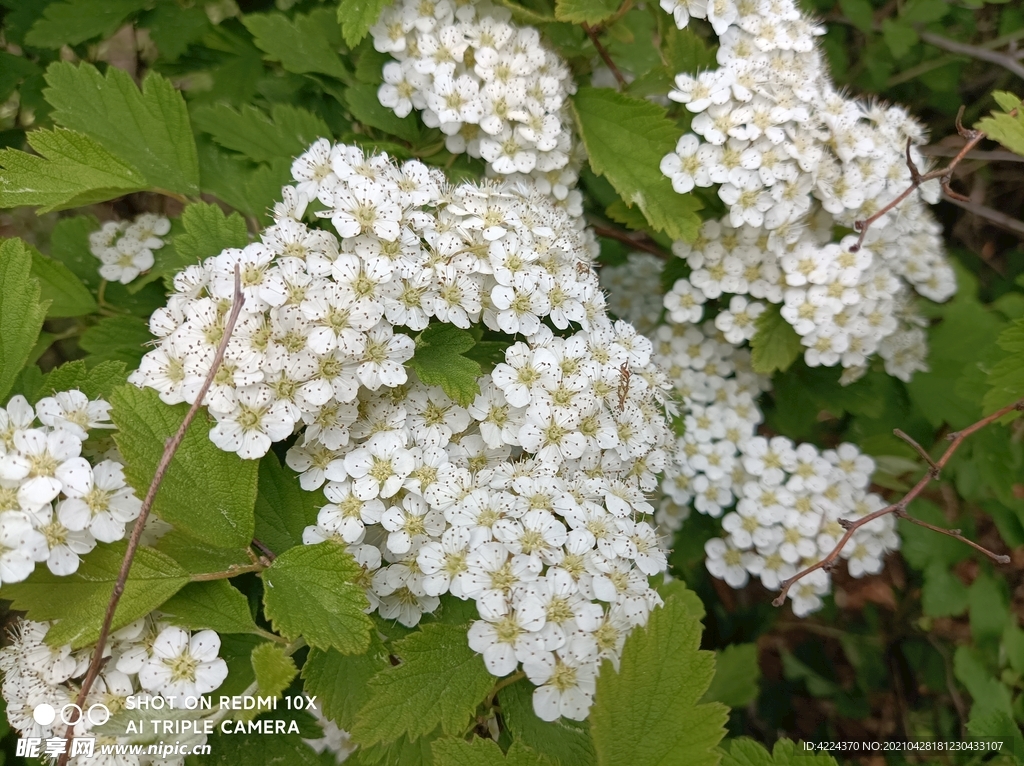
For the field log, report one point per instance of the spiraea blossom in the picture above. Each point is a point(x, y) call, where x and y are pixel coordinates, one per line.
point(794, 159)
point(147, 658)
point(126, 247)
point(780, 502)
point(529, 497)
point(54, 504)
point(491, 86)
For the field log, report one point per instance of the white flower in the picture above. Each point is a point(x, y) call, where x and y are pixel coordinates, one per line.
point(99, 501)
point(256, 422)
point(20, 546)
point(183, 667)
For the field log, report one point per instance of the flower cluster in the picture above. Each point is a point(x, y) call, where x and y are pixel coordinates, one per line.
point(148, 658)
point(54, 504)
point(793, 159)
point(780, 503)
point(492, 87)
point(528, 498)
point(126, 249)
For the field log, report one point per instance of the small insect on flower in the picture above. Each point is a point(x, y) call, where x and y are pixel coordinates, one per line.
point(624, 376)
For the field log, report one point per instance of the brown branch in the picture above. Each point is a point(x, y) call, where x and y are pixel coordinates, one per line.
point(899, 508)
point(982, 54)
point(955, 534)
point(1000, 219)
point(603, 53)
point(133, 542)
point(920, 450)
point(945, 175)
point(232, 571)
point(997, 155)
point(621, 236)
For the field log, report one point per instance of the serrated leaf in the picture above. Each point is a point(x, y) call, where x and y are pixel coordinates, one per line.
point(1006, 377)
point(283, 508)
point(746, 752)
point(989, 610)
point(626, 139)
point(69, 244)
point(284, 134)
point(564, 742)
point(440, 681)
point(206, 492)
point(250, 189)
point(484, 752)
point(71, 170)
point(585, 11)
point(736, 676)
point(357, 16)
point(214, 605)
point(899, 36)
point(647, 712)
point(302, 43)
point(365, 107)
point(67, 295)
point(775, 345)
point(207, 231)
point(989, 695)
point(999, 726)
point(1005, 128)
point(439, 361)
point(79, 601)
point(116, 339)
point(97, 382)
point(74, 21)
point(148, 129)
point(309, 591)
point(21, 311)
point(341, 681)
point(685, 51)
point(173, 28)
point(273, 668)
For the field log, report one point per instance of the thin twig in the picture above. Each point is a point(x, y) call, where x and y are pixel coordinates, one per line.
point(965, 49)
point(232, 571)
point(972, 138)
point(621, 236)
point(133, 542)
point(899, 508)
point(997, 155)
point(1002, 220)
point(941, 61)
point(266, 551)
point(955, 534)
point(603, 53)
point(920, 450)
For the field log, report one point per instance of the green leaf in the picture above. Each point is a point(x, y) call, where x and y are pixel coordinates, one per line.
point(21, 311)
point(273, 668)
point(924, 11)
point(626, 139)
point(72, 170)
point(69, 244)
point(97, 382)
point(686, 51)
point(147, 129)
point(198, 558)
point(362, 101)
point(942, 593)
point(900, 36)
point(647, 712)
point(174, 28)
point(440, 681)
point(998, 726)
point(564, 742)
point(232, 749)
point(285, 134)
point(207, 232)
point(206, 492)
point(746, 752)
point(303, 43)
point(585, 11)
point(989, 695)
point(116, 339)
point(74, 21)
point(67, 295)
point(214, 605)
point(283, 508)
point(989, 610)
point(1006, 377)
point(79, 601)
point(775, 345)
point(736, 676)
point(357, 16)
point(860, 13)
point(245, 187)
point(484, 752)
point(440, 361)
point(309, 591)
point(1004, 128)
point(341, 681)
point(923, 547)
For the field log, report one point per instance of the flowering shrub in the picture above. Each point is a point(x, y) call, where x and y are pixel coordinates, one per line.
point(438, 373)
